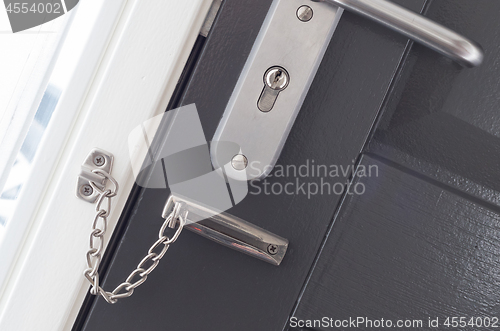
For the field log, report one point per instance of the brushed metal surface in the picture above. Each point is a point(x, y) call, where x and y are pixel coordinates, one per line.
point(298, 47)
point(418, 28)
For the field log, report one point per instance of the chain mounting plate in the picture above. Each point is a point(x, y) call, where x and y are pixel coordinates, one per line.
point(97, 159)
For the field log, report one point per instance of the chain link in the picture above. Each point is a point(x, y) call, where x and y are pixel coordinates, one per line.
point(96, 244)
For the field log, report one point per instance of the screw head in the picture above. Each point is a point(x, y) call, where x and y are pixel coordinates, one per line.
point(86, 190)
point(277, 78)
point(99, 160)
point(272, 249)
point(239, 162)
point(304, 13)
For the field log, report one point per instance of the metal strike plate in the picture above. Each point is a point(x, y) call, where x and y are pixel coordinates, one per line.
point(97, 159)
point(264, 104)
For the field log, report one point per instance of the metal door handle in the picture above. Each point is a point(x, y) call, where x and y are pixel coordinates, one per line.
point(416, 27)
point(283, 62)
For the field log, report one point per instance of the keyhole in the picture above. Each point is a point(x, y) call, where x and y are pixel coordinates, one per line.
point(276, 79)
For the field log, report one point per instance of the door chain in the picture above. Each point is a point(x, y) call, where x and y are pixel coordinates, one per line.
point(147, 264)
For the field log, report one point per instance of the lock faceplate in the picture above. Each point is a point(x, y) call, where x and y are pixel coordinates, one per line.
point(259, 120)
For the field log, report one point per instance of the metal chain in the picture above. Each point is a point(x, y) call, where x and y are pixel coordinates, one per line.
point(147, 264)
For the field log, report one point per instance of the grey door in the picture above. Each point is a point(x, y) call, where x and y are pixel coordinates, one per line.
point(420, 242)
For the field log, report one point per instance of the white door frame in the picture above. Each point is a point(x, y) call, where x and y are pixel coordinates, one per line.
point(126, 77)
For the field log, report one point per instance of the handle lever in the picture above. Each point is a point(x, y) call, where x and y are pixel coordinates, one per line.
point(416, 27)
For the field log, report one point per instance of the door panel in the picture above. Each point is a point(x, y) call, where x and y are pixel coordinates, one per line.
point(367, 68)
point(409, 248)
point(442, 120)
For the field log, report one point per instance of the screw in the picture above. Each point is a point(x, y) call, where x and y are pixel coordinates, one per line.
point(86, 190)
point(239, 162)
point(272, 249)
point(99, 160)
point(277, 78)
point(304, 13)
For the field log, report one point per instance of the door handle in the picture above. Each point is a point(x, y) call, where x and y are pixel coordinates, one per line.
point(416, 27)
point(284, 60)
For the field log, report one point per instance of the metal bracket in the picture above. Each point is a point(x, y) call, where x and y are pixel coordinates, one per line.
point(96, 160)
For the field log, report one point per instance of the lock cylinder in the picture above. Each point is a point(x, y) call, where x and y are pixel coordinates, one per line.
point(276, 79)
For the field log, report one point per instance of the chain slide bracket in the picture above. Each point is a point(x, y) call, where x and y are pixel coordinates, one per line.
point(228, 230)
